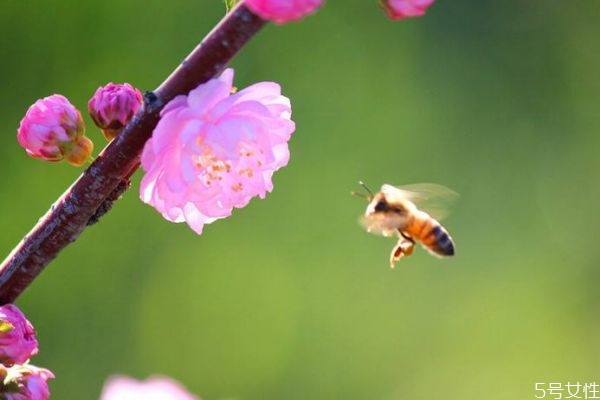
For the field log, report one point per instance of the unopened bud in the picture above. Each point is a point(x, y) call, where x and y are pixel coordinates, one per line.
point(51, 129)
point(112, 106)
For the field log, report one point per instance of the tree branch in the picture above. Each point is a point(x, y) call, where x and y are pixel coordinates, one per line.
point(107, 178)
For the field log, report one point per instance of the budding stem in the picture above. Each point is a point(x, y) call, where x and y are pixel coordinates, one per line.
point(86, 199)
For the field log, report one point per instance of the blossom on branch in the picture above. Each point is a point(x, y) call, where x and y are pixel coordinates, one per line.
point(154, 388)
point(213, 151)
point(400, 9)
point(282, 11)
point(17, 336)
point(112, 106)
point(52, 130)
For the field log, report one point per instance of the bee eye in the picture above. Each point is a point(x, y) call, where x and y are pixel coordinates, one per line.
point(380, 206)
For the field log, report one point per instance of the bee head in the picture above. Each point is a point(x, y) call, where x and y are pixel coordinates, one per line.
point(377, 204)
point(380, 204)
point(385, 215)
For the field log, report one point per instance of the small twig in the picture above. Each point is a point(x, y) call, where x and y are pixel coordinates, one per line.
point(94, 192)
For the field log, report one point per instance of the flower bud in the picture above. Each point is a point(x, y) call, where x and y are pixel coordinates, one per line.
point(17, 336)
point(51, 129)
point(24, 382)
point(400, 9)
point(112, 106)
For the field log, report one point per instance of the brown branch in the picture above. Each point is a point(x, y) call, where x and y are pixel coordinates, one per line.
point(107, 178)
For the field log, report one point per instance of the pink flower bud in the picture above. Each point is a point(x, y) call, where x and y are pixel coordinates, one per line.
point(24, 382)
point(400, 9)
point(282, 11)
point(52, 129)
point(213, 151)
point(113, 105)
point(17, 336)
point(154, 388)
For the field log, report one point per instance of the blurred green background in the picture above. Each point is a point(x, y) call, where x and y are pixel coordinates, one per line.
point(290, 298)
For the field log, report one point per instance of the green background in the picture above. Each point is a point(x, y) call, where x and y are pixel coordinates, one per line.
point(289, 298)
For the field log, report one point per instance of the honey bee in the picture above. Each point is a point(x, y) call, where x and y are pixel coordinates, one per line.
point(392, 211)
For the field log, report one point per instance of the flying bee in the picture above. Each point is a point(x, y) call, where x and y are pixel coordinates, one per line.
point(392, 212)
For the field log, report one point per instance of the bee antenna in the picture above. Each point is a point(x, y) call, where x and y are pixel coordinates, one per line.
point(357, 194)
point(367, 196)
point(361, 183)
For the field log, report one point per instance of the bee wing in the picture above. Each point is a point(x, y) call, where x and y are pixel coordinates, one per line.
point(432, 198)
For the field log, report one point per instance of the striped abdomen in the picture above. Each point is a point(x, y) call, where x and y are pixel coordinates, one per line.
point(427, 231)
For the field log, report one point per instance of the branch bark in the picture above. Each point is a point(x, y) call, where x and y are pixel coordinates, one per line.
point(107, 178)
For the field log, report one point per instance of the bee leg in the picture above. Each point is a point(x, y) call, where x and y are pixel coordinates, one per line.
point(404, 247)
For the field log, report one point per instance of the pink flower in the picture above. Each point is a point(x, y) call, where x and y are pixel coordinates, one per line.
point(400, 9)
point(52, 129)
point(17, 336)
point(154, 388)
point(113, 105)
point(24, 382)
point(213, 151)
point(282, 11)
